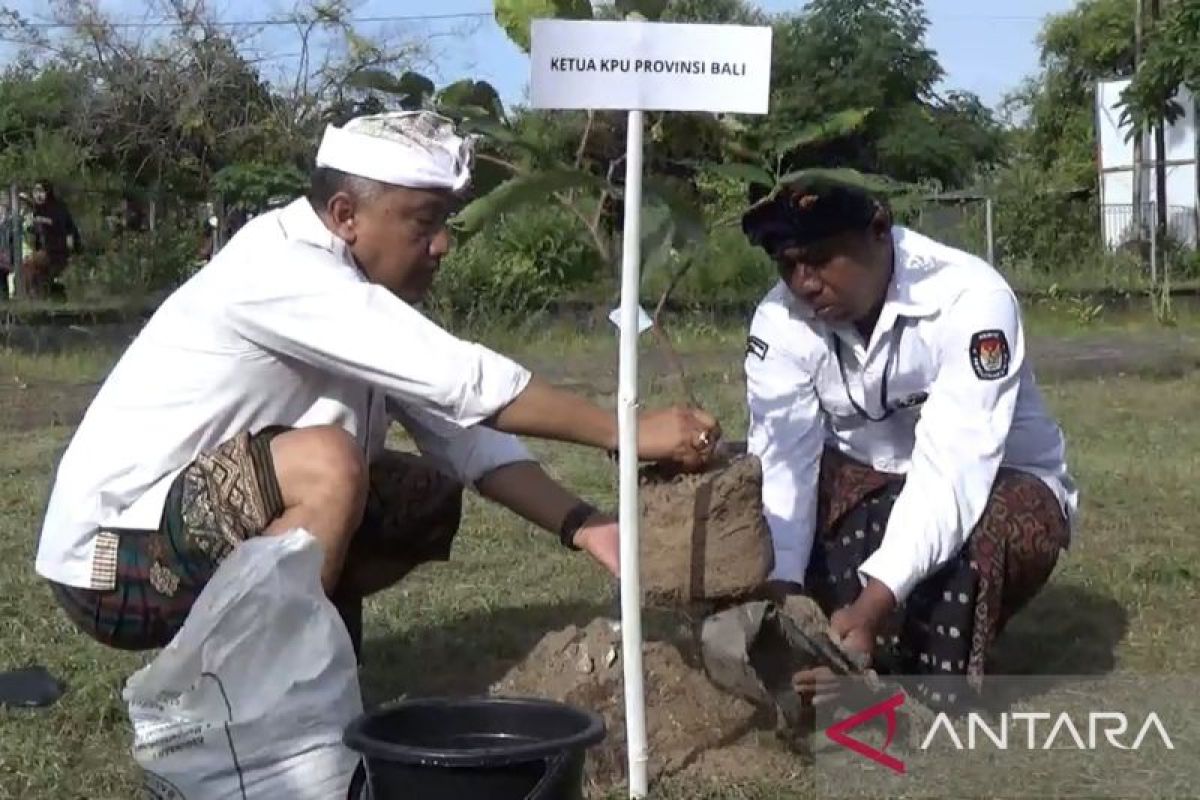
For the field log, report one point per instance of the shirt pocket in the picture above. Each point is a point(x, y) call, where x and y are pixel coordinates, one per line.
point(908, 397)
point(912, 378)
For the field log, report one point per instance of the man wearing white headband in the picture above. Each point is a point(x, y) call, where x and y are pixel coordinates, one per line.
point(258, 398)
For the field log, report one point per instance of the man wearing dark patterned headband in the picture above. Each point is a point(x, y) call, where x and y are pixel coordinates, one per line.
point(914, 482)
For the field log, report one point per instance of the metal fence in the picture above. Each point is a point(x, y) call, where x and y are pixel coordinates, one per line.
point(964, 221)
point(1121, 227)
point(1052, 228)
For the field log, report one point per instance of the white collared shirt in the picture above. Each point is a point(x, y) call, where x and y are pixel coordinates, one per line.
point(281, 328)
point(963, 402)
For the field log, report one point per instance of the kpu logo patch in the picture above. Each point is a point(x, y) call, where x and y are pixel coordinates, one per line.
point(990, 355)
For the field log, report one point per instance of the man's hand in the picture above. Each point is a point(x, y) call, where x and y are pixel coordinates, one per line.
point(685, 436)
point(854, 631)
point(601, 539)
point(854, 627)
point(858, 623)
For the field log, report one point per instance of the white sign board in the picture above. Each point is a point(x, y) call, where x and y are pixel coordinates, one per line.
point(650, 66)
point(1115, 148)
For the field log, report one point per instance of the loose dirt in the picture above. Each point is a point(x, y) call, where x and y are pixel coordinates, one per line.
point(685, 714)
point(690, 719)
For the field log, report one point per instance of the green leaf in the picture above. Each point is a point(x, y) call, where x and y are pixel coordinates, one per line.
point(328, 12)
point(377, 80)
point(499, 132)
point(515, 16)
point(739, 150)
point(835, 126)
point(650, 9)
point(876, 184)
point(748, 173)
point(687, 215)
point(658, 235)
point(486, 176)
point(472, 99)
point(416, 85)
point(518, 191)
point(491, 129)
point(411, 87)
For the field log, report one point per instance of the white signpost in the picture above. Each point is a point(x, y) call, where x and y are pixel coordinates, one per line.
point(638, 67)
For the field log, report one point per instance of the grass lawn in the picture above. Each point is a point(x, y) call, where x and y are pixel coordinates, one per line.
point(1122, 601)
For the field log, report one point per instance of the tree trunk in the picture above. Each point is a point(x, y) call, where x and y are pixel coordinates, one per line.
point(1138, 139)
point(1160, 157)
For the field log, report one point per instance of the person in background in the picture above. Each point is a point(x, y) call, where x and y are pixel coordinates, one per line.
point(19, 245)
point(55, 236)
point(258, 398)
point(9, 238)
point(208, 239)
point(915, 483)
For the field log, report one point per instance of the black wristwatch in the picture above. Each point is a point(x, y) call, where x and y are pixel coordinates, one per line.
point(573, 521)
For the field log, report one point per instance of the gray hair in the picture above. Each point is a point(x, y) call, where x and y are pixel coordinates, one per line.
point(327, 182)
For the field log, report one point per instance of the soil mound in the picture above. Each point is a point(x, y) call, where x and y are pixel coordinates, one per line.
point(686, 714)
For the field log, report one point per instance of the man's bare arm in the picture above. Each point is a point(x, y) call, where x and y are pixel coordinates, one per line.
point(683, 435)
point(546, 412)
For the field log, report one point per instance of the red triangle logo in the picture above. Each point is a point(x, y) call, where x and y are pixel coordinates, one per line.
point(838, 732)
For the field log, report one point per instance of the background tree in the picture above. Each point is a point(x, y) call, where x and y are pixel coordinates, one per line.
point(1091, 42)
point(1171, 59)
point(851, 54)
point(1047, 219)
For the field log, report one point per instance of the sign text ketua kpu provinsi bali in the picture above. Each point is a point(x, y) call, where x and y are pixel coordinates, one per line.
point(650, 66)
point(656, 66)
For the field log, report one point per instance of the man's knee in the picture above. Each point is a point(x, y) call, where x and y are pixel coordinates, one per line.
point(321, 464)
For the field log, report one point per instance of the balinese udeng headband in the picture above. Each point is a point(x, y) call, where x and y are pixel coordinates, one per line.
point(414, 149)
point(802, 213)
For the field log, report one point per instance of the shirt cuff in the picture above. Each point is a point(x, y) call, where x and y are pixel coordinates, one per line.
point(892, 571)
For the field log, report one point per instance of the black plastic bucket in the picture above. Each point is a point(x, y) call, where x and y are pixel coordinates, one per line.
point(492, 747)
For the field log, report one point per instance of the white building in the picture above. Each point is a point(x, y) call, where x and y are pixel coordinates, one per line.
point(1115, 155)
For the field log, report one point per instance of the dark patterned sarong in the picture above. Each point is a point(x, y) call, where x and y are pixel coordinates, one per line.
point(231, 494)
point(948, 623)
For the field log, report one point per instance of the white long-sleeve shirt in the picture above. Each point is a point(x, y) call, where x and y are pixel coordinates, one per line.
point(281, 328)
point(963, 402)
